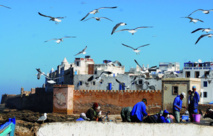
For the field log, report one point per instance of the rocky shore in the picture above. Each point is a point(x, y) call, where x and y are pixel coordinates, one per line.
point(26, 120)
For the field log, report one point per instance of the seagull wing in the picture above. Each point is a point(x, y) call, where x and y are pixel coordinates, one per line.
point(115, 27)
point(90, 78)
point(142, 46)
point(69, 37)
point(128, 46)
point(81, 51)
point(90, 18)
point(60, 17)
point(106, 18)
point(123, 30)
point(200, 20)
point(44, 15)
point(85, 17)
point(138, 64)
point(197, 30)
point(5, 6)
point(118, 81)
point(51, 39)
point(107, 7)
point(195, 11)
point(201, 37)
point(38, 69)
point(117, 62)
point(143, 27)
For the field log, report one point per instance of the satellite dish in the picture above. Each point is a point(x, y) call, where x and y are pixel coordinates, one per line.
point(200, 61)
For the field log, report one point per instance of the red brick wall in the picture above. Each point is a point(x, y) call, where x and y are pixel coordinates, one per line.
point(114, 101)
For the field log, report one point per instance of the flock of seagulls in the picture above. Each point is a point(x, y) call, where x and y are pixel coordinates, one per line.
point(114, 30)
point(194, 20)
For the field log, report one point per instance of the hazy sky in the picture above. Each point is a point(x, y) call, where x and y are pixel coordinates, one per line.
point(23, 32)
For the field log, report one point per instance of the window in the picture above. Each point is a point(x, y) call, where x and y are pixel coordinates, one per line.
point(175, 90)
point(205, 94)
point(206, 74)
point(80, 83)
point(205, 84)
point(140, 82)
point(93, 83)
point(197, 74)
point(77, 63)
point(188, 74)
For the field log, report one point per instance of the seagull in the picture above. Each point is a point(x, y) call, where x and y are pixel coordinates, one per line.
point(56, 19)
point(98, 78)
point(194, 20)
point(117, 25)
point(114, 63)
point(135, 49)
point(143, 70)
point(132, 31)
point(203, 29)
point(204, 11)
point(82, 52)
point(58, 40)
point(123, 84)
point(40, 73)
point(209, 35)
point(43, 118)
point(96, 11)
point(98, 18)
point(5, 6)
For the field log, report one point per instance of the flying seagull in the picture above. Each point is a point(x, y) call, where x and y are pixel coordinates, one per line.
point(43, 118)
point(135, 49)
point(123, 84)
point(132, 31)
point(56, 19)
point(96, 11)
point(5, 6)
point(204, 11)
point(117, 25)
point(194, 20)
point(58, 40)
point(98, 18)
point(98, 78)
point(143, 70)
point(51, 81)
point(114, 63)
point(209, 35)
point(203, 29)
point(40, 73)
point(82, 52)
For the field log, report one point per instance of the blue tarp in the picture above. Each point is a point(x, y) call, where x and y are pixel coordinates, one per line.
point(211, 102)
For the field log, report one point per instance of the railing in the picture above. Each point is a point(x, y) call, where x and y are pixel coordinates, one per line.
point(8, 128)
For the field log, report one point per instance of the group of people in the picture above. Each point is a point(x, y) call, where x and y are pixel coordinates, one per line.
point(138, 111)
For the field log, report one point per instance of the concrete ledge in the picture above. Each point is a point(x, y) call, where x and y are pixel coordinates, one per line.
point(123, 129)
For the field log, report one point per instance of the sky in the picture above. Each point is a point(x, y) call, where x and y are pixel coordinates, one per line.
point(23, 32)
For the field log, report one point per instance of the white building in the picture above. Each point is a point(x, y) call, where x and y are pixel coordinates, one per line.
point(205, 73)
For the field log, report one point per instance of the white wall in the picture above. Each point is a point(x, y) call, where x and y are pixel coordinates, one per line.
point(121, 129)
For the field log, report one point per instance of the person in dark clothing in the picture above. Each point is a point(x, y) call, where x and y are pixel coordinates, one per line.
point(92, 113)
point(195, 98)
point(164, 118)
point(139, 111)
point(190, 106)
point(125, 114)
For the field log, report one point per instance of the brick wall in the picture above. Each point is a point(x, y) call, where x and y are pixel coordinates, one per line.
point(114, 101)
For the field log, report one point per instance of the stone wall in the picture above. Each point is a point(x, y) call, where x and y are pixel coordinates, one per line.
point(39, 101)
point(114, 101)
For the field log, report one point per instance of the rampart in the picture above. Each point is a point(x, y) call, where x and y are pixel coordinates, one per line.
point(109, 100)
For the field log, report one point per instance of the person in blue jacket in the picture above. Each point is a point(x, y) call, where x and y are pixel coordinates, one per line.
point(177, 106)
point(83, 117)
point(195, 98)
point(164, 118)
point(139, 111)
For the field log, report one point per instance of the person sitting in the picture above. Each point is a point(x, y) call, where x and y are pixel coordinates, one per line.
point(164, 118)
point(93, 112)
point(125, 114)
point(139, 111)
point(83, 117)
